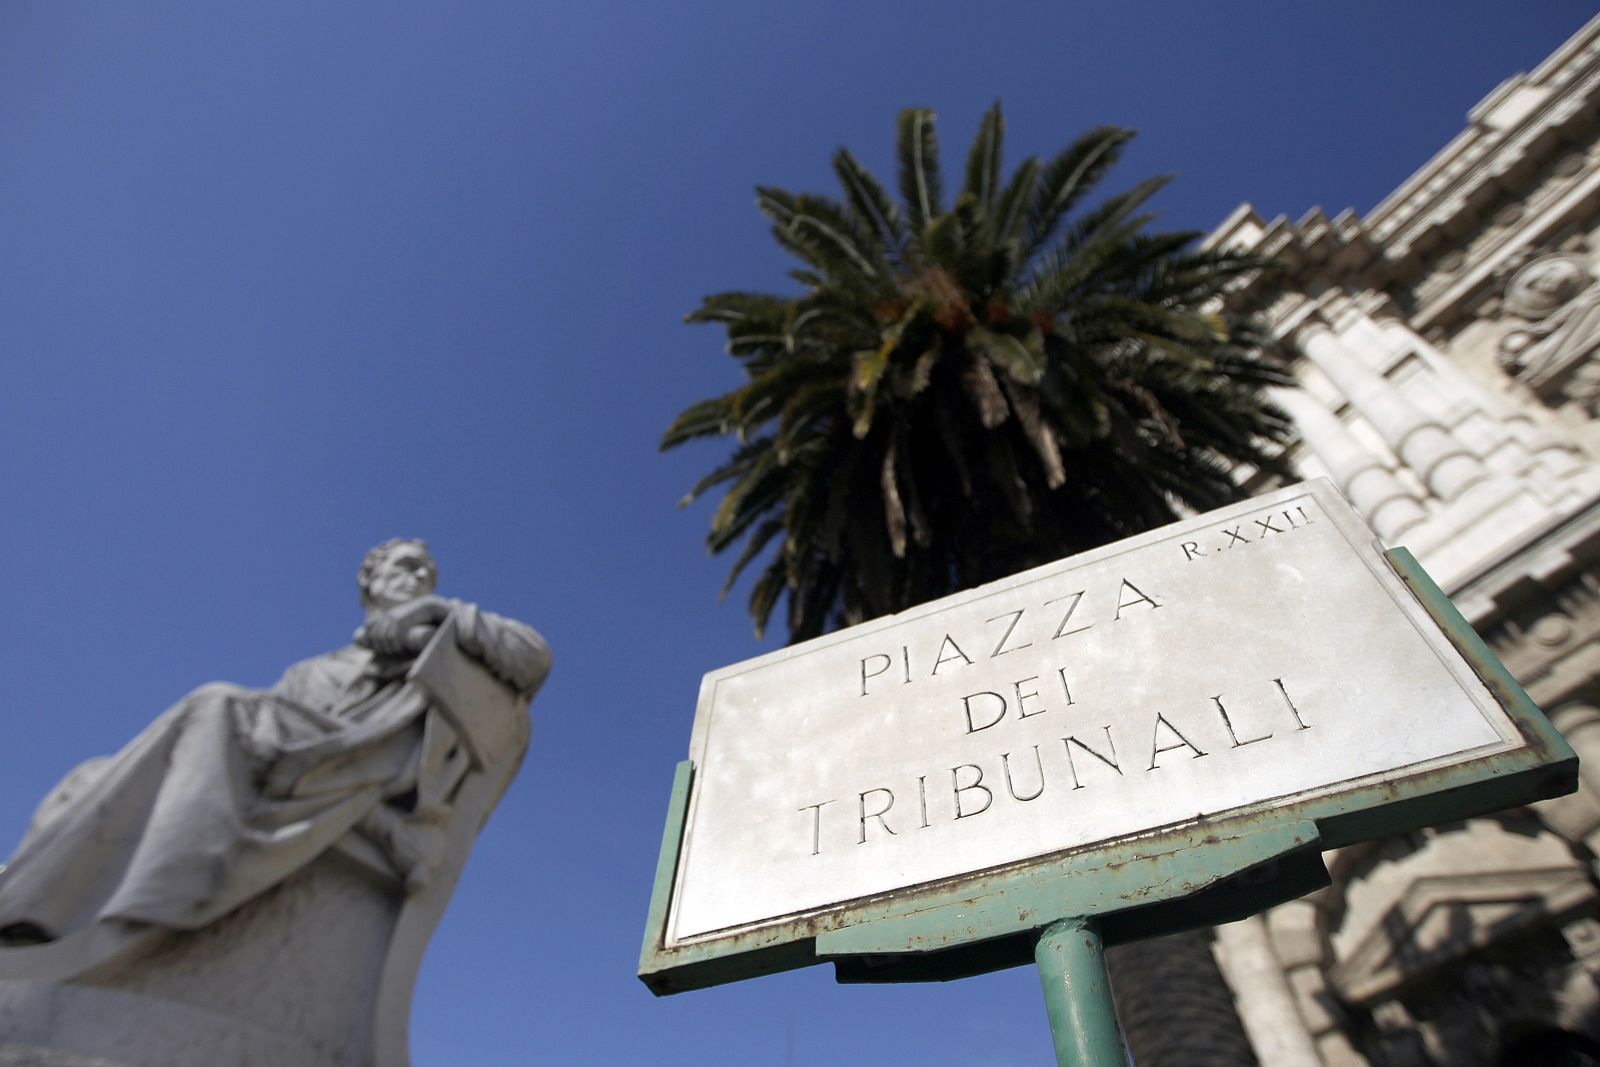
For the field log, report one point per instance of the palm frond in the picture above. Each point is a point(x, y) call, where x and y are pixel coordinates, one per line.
point(1067, 179)
point(758, 540)
point(1114, 212)
point(820, 233)
point(983, 161)
point(764, 595)
point(1012, 209)
point(703, 418)
point(737, 466)
point(917, 150)
point(871, 204)
point(737, 307)
point(760, 484)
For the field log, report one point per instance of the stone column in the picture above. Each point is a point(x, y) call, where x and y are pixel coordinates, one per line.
point(1442, 462)
point(1266, 1001)
point(1360, 473)
point(1558, 457)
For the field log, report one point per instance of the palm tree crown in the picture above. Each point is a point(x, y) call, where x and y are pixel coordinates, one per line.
point(962, 393)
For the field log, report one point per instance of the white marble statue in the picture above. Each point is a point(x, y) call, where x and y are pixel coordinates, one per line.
point(358, 779)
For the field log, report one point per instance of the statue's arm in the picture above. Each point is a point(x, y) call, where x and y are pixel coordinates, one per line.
point(513, 651)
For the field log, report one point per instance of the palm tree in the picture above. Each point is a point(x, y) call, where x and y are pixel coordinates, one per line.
point(961, 394)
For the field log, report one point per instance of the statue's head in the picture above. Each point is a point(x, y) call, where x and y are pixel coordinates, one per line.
point(395, 572)
point(1545, 284)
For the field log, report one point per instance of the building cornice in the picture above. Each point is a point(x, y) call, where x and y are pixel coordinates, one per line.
point(1523, 104)
point(1516, 135)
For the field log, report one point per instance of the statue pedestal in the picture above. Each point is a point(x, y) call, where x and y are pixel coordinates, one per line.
point(290, 978)
point(49, 1025)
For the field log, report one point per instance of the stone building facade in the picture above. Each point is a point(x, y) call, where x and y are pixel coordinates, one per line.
point(1449, 348)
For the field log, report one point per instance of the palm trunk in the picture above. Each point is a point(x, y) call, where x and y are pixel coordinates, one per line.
point(1175, 1008)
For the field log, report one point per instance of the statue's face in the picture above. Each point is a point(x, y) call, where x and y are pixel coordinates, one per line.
point(405, 573)
point(1544, 285)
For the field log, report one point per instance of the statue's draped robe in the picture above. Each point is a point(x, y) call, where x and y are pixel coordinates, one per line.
point(232, 790)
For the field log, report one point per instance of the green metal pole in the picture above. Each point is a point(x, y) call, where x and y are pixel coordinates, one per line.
point(1077, 995)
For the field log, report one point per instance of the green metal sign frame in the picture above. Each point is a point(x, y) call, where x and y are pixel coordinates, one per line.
point(1058, 912)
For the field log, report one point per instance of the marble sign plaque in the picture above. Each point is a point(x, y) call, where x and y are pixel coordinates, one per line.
point(1255, 657)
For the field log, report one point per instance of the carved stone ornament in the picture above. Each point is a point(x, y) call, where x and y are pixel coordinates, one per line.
point(1545, 284)
point(253, 879)
point(1553, 351)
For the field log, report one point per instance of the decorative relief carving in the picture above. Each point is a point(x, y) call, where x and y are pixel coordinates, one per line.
point(1536, 635)
point(1553, 351)
point(1545, 284)
point(1552, 631)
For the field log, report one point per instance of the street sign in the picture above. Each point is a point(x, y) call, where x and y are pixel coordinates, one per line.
point(1263, 679)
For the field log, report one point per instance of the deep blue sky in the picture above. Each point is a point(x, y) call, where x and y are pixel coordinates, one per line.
point(278, 281)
